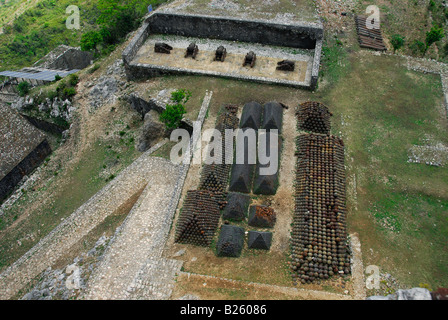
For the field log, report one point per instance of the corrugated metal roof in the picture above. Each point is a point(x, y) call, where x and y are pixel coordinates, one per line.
point(46, 75)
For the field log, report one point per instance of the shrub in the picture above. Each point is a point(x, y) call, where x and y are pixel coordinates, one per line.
point(173, 115)
point(175, 112)
point(418, 47)
point(19, 24)
point(397, 41)
point(73, 80)
point(181, 96)
point(52, 94)
point(94, 68)
point(57, 77)
point(24, 88)
point(61, 86)
point(432, 5)
point(68, 92)
point(434, 35)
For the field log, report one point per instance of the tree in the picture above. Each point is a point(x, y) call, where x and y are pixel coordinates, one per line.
point(24, 88)
point(397, 42)
point(174, 113)
point(90, 40)
point(434, 35)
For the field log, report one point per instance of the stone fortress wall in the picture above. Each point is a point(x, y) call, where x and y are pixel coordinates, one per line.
point(302, 36)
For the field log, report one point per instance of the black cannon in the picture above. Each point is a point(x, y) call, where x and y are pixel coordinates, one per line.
point(250, 59)
point(192, 50)
point(220, 54)
point(286, 65)
point(162, 48)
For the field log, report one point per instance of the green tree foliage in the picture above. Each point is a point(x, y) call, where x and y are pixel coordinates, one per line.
point(73, 80)
point(434, 35)
point(119, 17)
point(90, 40)
point(418, 47)
point(30, 44)
point(24, 88)
point(397, 41)
point(174, 113)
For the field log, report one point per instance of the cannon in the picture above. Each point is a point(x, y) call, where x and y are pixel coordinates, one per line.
point(161, 47)
point(192, 50)
point(220, 54)
point(286, 65)
point(250, 59)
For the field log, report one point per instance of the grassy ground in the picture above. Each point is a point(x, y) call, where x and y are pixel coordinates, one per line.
point(398, 208)
point(11, 8)
point(411, 19)
point(40, 29)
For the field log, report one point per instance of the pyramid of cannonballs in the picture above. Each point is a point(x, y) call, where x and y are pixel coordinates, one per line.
point(314, 117)
point(319, 237)
point(230, 242)
point(236, 207)
point(199, 218)
point(259, 240)
point(251, 116)
point(264, 183)
point(214, 177)
point(272, 116)
point(262, 217)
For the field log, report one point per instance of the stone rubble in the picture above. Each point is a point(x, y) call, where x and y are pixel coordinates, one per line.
point(105, 91)
point(409, 294)
point(67, 283)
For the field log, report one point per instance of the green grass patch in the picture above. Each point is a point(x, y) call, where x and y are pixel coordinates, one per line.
point(381, 109)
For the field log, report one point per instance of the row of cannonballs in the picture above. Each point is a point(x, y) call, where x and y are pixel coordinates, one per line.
point(319, 236)
point(214, 177)
point(220, 55)
point(200, 214)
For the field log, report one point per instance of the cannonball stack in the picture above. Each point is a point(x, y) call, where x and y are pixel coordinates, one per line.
point(199, 218)
point(314, 117)
point(262, 217)
point(214, 177)
point(232, 109)
point(319, 238)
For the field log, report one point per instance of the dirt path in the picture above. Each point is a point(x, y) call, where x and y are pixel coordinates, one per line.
point(212, 288)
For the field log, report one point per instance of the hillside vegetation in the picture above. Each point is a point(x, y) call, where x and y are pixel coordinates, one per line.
point(43, 27)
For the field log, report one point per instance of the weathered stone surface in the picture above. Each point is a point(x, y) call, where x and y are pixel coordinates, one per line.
point(22, 149)
point(152, 131)
point(409, 294)
point(105, 91)
point(66, 58)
